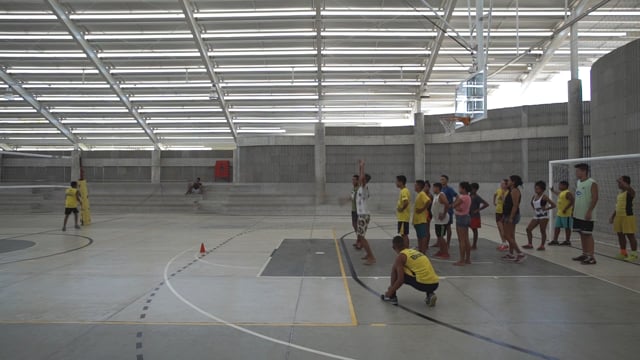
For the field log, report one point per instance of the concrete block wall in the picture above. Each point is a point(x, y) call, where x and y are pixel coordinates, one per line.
point(277, 164)
point(113, 166)
point(383, 162)
point(615, 97)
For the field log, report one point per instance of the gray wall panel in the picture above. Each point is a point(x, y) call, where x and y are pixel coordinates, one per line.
point(384, 162)
point(277, 164)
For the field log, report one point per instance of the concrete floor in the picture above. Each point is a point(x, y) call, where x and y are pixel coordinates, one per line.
point(134, 287)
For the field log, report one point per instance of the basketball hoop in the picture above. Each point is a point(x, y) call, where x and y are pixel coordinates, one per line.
point(449, 123)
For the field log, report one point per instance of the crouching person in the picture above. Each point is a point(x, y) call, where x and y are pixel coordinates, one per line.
point(412, 268)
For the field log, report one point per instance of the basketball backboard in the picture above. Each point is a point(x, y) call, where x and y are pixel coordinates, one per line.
point(471, 97)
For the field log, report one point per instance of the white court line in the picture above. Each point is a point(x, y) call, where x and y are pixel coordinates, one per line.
point(236, 327)
point(266, 263)
point(223, 265)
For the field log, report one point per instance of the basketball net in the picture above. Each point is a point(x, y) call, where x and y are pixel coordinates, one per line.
point(449, 123)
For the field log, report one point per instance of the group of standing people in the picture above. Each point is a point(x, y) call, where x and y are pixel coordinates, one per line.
point(575, 212)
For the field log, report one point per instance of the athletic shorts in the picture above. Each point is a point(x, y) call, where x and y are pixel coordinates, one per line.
point(421, 230)
point(428, 288)
point(476, 223)
point(582, 226)
point(516, 219)
point(564, 222)
point(441, 230)
point(463, 221)
point(625, 224)
point(68, 211)
point(363, 224)
point(354, 219)
point(403, 228)
point(499, 217)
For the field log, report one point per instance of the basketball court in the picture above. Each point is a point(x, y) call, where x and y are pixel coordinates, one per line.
point(291, 288)
point(203, 149)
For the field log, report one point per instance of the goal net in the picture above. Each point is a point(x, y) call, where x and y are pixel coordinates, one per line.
point(605, 171)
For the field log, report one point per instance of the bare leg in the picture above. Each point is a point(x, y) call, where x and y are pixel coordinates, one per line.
point(543, 232)
point(532, 225)
point(622, 240)
point(633, 241)
point(370, 258)
point(475, 239)
point(588, 245)
point(500, 230)
point(449, 235)
point(556, 234)
point(428, 238)
point(465, 248)
point(510, 235)
point(406, 240)
point(75, 218)
point(64, 224)
point(568, 235)
point(423, 245)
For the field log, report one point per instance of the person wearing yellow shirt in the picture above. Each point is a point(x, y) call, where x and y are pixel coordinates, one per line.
point(413, 268)
point(421, 215)
point(71, 202)
point(403, 212)
point(624, 221)
point(498, 202)
point(564, 219)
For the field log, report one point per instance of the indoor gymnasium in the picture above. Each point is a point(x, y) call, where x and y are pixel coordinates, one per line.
point(319, 179)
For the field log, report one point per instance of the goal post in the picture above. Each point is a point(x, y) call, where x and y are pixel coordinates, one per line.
point(605, 170)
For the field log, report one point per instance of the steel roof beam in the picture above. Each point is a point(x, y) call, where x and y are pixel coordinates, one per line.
point(554, 45)
point(102, 69)
point(319, 57)
point(40, 108)
point(449, 7)
point(208, 63)
point(565, 25)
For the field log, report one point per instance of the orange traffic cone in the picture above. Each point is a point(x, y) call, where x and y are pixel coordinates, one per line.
point(202, 249)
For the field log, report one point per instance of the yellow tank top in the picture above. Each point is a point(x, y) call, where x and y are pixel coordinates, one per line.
point(71, 200)
point(419, 266)
point(624, 204)
point(500, 201)
point(562, 204)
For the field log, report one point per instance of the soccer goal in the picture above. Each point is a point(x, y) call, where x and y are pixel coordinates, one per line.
point(605, 170)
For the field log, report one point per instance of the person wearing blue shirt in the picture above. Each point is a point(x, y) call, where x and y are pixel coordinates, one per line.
point(451, 194)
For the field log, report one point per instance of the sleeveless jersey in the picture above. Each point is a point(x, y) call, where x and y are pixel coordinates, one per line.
point(508, 204)
point(500, 200)
point(539, 206)
point(437, 208)
point(583, 200)
point(419, 266)
point(624, 204)
point(70, 199)
point(563, 202)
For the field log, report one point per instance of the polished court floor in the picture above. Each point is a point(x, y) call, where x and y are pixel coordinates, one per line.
point(135, 287)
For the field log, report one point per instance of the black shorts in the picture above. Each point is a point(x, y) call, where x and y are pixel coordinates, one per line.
point(582, 226)
point(68, 211)
point(403, 228)
point(354, 218)
point(441, 230)
point(428, 288)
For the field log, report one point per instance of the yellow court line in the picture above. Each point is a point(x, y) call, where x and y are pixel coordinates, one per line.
point(168, 323)
point(352, 311)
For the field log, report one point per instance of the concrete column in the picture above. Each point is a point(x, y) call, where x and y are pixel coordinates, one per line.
point(575, 121)
point(419, 156)
point(236, 164)
point(524, 123)
point(75, 164)
point(320, 160)
point(156, 166)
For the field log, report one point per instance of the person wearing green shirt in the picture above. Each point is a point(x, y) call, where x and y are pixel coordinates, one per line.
point(584, 213)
